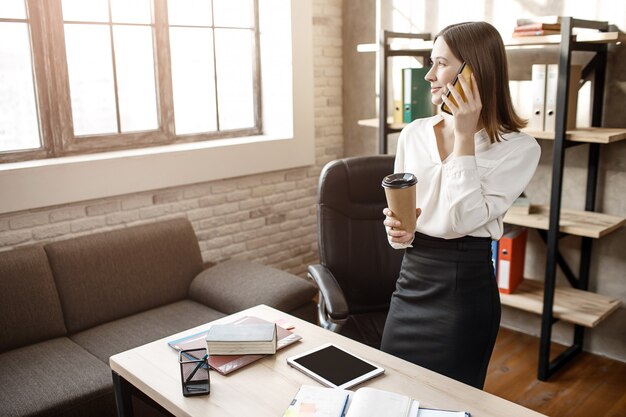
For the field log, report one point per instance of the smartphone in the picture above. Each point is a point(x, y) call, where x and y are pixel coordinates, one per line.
point(464, 72)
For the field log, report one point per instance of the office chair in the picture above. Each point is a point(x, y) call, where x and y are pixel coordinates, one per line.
point(358, 269)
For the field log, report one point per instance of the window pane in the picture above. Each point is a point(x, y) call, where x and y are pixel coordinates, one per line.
point(237, 13)
point(12, 9)
point(234, 78)
point(189, 12)
point(19, 127)
point(91, 79)
point(131, 11)
point(86, 11)
point(135, 77)
point(193, 80)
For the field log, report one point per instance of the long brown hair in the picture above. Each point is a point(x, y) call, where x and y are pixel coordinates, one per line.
point(480, 46)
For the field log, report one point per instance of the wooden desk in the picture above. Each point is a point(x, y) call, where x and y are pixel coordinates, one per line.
point(266, 387)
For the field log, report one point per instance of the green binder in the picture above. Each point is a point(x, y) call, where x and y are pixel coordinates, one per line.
point(415, 95)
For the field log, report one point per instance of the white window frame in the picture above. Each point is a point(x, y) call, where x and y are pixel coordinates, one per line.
point(287, 141)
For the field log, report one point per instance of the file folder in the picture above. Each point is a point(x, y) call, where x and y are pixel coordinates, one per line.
point(538, 75)
point(494, 256)
point(511, 253)
point(397, 112)
point(416, 97)
point(552, 82)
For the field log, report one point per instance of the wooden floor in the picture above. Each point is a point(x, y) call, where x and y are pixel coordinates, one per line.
point(588, 386)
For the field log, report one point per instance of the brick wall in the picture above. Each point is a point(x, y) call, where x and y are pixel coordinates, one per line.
point(269, 217)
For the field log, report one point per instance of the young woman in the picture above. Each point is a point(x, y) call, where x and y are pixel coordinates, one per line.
point(471, 166)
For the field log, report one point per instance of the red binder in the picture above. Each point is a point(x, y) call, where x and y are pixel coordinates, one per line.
point(511, 251)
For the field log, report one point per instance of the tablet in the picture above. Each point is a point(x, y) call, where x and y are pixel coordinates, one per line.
point(334, 367)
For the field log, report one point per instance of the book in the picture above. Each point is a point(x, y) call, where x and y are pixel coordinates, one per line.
point(539, 19)
point(541, 32)
point(241, 339)
point(511, 254)
point(416, 97)
point(225, 364)
point(538, 26)
point(312, 401)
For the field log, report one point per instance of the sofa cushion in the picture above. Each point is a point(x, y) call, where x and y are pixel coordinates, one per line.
point(30, 310)
point(51, 377)
point(110, 275)
point(233, 285)
point(117, 336)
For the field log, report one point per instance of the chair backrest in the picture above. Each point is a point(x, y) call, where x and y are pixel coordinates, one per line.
point(352, 240)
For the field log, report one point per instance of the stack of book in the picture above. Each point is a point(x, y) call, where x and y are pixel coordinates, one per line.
point(241, 339)
point(538, 26)
point(225, 364)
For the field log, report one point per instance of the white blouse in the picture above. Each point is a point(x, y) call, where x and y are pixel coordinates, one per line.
point(466, 195)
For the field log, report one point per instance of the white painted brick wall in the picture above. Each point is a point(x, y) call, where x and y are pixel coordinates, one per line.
point(269, 218)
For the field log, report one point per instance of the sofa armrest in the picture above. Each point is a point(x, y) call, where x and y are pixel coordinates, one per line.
point(233, 286)
point(331, 294)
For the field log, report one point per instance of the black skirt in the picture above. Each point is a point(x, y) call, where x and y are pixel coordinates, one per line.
point(445, 311)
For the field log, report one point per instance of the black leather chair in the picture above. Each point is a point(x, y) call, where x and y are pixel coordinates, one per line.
point(358, 269)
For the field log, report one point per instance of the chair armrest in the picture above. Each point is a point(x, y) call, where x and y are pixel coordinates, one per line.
point(233, 286)
point(330, 291)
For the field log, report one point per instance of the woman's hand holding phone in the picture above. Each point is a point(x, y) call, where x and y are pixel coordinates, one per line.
point(466, 113)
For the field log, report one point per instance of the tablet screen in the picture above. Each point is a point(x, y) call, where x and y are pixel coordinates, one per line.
point(335, 365)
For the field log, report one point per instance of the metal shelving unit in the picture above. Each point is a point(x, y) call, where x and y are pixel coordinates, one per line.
point(597, 69)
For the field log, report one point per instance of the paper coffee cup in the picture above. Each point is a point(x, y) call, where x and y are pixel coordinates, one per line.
point(400, 193)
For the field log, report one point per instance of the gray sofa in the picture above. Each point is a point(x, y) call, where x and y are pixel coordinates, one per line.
point(67, 306)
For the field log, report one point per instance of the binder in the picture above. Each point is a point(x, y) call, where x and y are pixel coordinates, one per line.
point(522, 97)
point(552, 82)
point(511, 252)
point(494, 256)
point(538, 76)
point(397, 112)
point(416, 97)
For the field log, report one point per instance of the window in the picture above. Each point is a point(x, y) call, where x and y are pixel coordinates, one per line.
point(287, 141)
point(110, 64)
point(212, 54)
point(125, 74)
point(19, 121)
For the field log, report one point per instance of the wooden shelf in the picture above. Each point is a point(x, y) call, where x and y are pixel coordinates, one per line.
point(585, 134)
point(579, 223)
point(375, 123)
point(418, 46)
point(571, 305)
point(405, 45)
point(587, 37)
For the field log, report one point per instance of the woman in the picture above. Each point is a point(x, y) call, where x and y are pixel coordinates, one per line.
point(471, 166)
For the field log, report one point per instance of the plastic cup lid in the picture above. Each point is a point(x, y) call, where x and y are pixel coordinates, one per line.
point(400, 180)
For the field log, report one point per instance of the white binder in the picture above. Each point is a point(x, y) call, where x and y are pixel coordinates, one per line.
point(538, 75)
point(552, 81)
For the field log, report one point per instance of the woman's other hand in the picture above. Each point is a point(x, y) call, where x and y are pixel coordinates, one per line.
point(394, 228)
